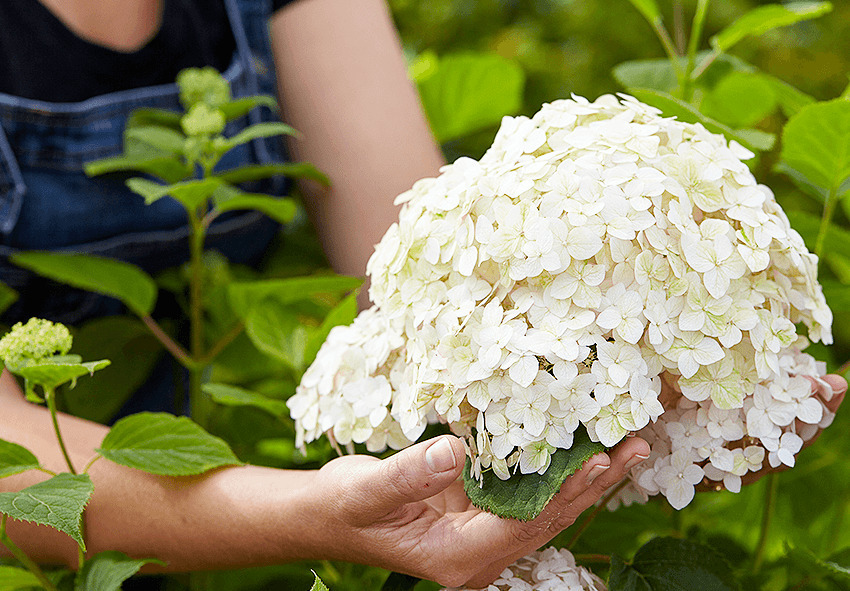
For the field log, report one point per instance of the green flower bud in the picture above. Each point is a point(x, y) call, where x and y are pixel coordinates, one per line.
point(34, 341)
point(202, 85)
point(202, 120)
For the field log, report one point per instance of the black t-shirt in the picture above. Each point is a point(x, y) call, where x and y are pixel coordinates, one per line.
point(40, 58)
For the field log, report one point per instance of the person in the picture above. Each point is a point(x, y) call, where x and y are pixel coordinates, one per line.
point(342, 82)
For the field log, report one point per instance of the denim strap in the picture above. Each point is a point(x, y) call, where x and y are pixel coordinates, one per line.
point(11, 185)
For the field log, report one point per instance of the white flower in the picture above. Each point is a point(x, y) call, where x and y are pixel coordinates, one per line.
point(678, 479)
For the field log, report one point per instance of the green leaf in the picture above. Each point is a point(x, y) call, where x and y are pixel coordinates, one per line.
point(523, 496)
point(670, 564)
point(649, 10)
point(146, 117)
point(13, 578)
point(342, 314)
point(233, 396)
point(789, 98)
point(467, 92)
point(244, 296)
point(259, 130)
point(192, 194)
point(654, 74)
point(15, 459)
point(8, 296)
point(837, 295)
point(53, 374)
point(318, 585)
point(765, 18)
point(672, 107)
point(816, 144)
point(255, 172)
point(400, 582)
point(840, 265)
point(837, 239)
point(116, 279)
point(160, 443)
point(160, 138)
point(279, 332)
point(168, 168)
point(57, 503)
point(242, 106)
point(281, 209)
point(740, 100)
point(107, 570)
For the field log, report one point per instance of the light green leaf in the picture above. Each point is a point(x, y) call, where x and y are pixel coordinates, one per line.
point(523, 496)
point(57, 503)
point(254, 172)
point(672, 107)
point(13, 578)
point(837, 239)
point(53, 374)
point(107, 570)
point(282, 209)
point(244, 296)
point(342, 314)
point(160, 443)
point(318, 585)
point(259, 130)
point(242, 106)
point(790, 99)
point(15, 459)
point(648, 8)
point(279, 332)
point(146, 116)
point(840, 265)
point(765, 18)
point(816, 144)
point(192, 194)
point(654, 74)
point(161, 138)
point(168, 168)
point(8, 296)
point(467, 92)
point(669, 564)
point(233, 396)
point(837, 295)
point(740, 100)
point(116, 279)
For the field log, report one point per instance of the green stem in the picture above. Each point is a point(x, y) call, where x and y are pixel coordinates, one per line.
point(670, 49)
point(679, 26)
point(50, 397)
point(19, 554)
point(587, 521)
point(704, 64)
point(767, 517)
point(178, 352)
point(222, 343)
point(91, 463)
point(198, 401)
point(693, 45)
point(828, 210)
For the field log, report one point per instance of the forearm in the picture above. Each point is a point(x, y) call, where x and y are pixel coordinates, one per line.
point(228, 518)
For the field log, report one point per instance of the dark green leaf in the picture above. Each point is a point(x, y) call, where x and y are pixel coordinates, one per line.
point(790, 99)
point(57, 503)
point(52, 375)
point(282, 209)
point(765, 18)
point(816, 144)
point(840, 265)
point(318, 585)
point(400, 582)
point(107, 570)
point(145, 117)
point(192, 194)
point(244, 296)
point(523, 496)
point(233, 396)
point(168, 168)
point(160, 443)
point(255, 172)
point(259, 130)
point(343, 313)
point(670, 564)
point(242, 106)
point(837, 295)
point(160, 138)
point(837, 239)
point(117, 279)
point(279, 332)
point(15, 459)
point(648, 8)
point(740, 100)
point(467, 92)
point(8, 296)
point(673, 107)
point(14, 579)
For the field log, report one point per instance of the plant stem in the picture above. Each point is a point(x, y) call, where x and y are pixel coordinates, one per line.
point(767, 516)
point(828, 210)
point(669, 48)
point(179, 353)
point(844, 368)
point(50, 397)
point(679, 26)
point(23, 558)
point(704, 64)
point(197, 399)
point(583, 525)
point(91, 463)
point(222, 343)
point(693, 45)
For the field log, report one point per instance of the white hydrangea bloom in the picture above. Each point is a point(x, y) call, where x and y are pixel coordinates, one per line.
point(596, 251)
point(546, 570)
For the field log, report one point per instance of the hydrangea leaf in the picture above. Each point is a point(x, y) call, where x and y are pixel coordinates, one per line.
point(57, 503)
point(254, 172)
point(342, 314)
point(161, 139)
point(53, 374)
point(648, 8)
point(168, 168)
point(281, 209)
point(837, 239)
point(318, 585)
point(670, 564)
point(259, 130)
point(233, 396)
point(244, 296)
point(466, 92)
point(8, 296)
point(242, 106)
point(523, 496)
point(160, 443)
point(15, 459)
point(816, 145)
point(117, 279)
point(107, 570)
point(765, 18)
point(191, 194)
point(740, 100)
point(13, 578)
point(278, 331)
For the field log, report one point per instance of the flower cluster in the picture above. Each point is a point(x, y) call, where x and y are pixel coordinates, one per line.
point(600, 266)
point(34, 341)
point(547, 570)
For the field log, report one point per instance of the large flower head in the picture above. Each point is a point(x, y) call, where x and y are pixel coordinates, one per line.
point(596, 254)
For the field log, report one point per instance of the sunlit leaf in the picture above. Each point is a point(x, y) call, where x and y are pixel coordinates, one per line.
point(279, 332)
point(107, 570)
point(244, 296)
point(254, 172)
point(161, 138)
point(168, 168)
point(281, 209)
point(765, 18)
point(13, 578)
point(318, 585)
point(260, 130)
point(15, 459)
point(648, 8)
point(242, 106)
point(52, 375)
point(740, 100)
point(233, 396)
point(192, 194)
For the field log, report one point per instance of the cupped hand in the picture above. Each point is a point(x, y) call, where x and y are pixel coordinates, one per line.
point(409, 513)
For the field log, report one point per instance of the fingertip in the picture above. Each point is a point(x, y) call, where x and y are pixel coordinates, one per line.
point(444, 454)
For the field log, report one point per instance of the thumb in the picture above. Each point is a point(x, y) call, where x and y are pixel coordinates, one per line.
point(413, 474)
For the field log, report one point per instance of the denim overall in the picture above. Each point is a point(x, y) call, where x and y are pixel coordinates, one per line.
point(48, 203)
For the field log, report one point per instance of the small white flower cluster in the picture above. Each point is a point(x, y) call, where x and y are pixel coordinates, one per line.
point(600, 265)
point(547, 570)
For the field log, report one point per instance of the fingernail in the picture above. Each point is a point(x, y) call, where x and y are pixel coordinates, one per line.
point(440, 456)
point(634, 461)
point(596, 471)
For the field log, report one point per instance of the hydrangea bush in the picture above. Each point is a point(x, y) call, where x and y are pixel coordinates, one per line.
point(600, 268)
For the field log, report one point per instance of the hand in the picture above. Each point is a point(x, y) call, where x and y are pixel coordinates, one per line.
point(409, 513)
